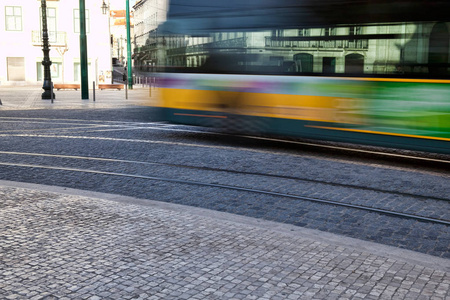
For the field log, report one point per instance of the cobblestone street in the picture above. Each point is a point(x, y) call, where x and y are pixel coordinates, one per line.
point(71, 241)
point(225, 150)
point(77, 246)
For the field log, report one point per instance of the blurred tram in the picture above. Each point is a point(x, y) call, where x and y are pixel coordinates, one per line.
point(372, 72)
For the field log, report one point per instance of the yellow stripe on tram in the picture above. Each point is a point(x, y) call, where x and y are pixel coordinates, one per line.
point(204, 116)
point(379, 132)
point(395, 80)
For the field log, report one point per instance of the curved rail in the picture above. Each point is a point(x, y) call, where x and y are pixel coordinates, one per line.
point(224, 170)
point(310, 199)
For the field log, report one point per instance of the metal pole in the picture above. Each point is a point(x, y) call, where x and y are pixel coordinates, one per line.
point(51, 92)
point(111, 43)
point(47, 84)
point(130, 67)
point(83, 53)
point(93, 90)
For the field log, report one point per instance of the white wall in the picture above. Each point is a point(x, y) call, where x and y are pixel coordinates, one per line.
point(19, 43)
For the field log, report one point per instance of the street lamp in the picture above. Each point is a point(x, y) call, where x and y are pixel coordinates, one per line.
point(47, 85)
point(104, 8)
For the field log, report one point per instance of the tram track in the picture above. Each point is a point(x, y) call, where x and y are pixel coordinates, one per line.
point(115, 160)
point(366, 150)
point(356, 191)
point(324, 201)
point(100, 125)
point(422, 161)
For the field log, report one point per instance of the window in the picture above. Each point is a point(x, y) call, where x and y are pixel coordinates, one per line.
point(329, 65)
point(77, 71)
point(16, 68)
point(55, 70)
point(277, 33)
point(13, 18)
point(304, 62)
point(352, 31)
point(51, 23)
point(76, 20)
point(355, 30)
point(330, 31)
point(304, 32)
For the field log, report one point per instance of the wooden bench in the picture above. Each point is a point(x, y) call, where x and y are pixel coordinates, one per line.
point(66, 86)
point(113, 86)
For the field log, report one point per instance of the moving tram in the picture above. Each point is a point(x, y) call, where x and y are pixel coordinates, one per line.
point(371, 72)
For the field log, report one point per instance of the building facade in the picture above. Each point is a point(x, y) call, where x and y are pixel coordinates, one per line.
point(118, 29)
point(149, 14)
point(21, 44)
point(403, 48)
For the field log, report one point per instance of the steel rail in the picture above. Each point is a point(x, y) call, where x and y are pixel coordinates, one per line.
point(189, 182)
point(225, 171)
point(162, 126)
point(341, 148)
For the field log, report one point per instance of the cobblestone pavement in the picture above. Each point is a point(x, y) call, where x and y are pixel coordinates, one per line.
point(29, 97)
point(59, 243)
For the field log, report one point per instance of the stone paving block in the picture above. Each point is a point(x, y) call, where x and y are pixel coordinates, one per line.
point(89, 248)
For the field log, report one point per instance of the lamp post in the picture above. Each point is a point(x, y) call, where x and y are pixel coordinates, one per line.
point(47, 84)
point(105, 10)
point(130, 67)
point(83, 53)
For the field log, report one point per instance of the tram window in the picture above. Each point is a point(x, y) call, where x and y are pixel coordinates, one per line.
point(398, 49)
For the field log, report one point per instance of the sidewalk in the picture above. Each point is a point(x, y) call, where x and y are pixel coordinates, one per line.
point(59, 243)
point(29, 97)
